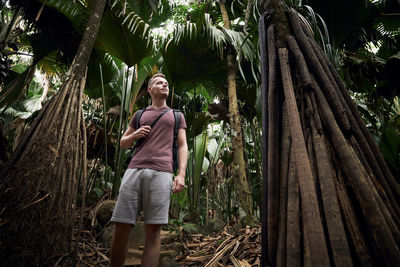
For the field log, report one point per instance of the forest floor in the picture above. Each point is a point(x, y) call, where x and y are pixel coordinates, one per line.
point(226, 248)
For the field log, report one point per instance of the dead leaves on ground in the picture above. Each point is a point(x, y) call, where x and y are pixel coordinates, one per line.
point(92, 253)
point(242, 249)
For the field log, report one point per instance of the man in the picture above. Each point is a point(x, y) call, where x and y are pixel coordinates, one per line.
point(147, 183)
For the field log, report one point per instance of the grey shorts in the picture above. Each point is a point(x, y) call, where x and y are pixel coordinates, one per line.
point(147, 190)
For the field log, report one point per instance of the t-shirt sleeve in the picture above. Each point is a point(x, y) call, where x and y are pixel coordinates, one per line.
point(183, 122)
point(132, 121)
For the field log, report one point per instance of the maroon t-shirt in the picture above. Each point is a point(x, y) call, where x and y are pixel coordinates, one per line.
point(155, 151)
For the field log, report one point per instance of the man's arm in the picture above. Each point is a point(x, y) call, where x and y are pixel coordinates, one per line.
point(131, 135)
point(179, 182)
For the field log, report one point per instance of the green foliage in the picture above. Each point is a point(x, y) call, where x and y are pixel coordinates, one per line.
point(192, 57)
point(110, 67)
point(390, 148)
point(124, 34)
point(201, 37)
point(383, 120)
point(177, 225)
point(196, 158)
point(15, 90)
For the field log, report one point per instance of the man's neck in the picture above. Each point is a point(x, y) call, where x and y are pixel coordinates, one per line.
point(159, 103)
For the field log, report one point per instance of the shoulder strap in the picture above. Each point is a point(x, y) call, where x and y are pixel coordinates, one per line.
point(159, 117)
point(139, 114)
point(177, 115)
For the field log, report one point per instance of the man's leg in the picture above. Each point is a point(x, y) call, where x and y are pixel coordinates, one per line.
point(119, 245)
point(152, 244)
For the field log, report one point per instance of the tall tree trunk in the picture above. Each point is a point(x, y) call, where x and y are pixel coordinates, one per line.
point(337, 191)
point(39, 185)
point(240, 178)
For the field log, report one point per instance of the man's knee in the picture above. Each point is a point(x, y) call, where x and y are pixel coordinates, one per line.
point(152, 230)
point(119, 246)
point(121, 231)
point(122, 227)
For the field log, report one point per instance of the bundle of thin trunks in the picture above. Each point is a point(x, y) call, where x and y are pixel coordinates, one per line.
point(331, 198)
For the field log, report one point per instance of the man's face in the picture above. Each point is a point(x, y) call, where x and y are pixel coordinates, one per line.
point(159, 88)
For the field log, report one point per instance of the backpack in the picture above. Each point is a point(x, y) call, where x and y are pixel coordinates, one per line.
point(177, 116)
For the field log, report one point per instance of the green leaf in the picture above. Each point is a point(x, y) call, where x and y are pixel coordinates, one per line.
point(144, 68)
point(110, 73)
point(192, 61)
point(16, 89)
point(124, 35)
point(99, 192)
point(206, 164)
point(390, 146)
point(227, 157)
point(189, 227)
point(352, 15)
point(213, 147)
point(199, 151)
point(391, 69)
point(73, 10)
point(33, 103)
point(41, 46)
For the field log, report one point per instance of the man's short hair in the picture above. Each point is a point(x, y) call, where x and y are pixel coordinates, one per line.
point(153, 77)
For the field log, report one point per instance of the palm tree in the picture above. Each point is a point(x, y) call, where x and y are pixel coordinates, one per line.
point(241, 180)
point(39, 193)
point(332, 200)
point(198, 53)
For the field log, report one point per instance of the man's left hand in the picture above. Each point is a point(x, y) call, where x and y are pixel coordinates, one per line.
point(179, 184)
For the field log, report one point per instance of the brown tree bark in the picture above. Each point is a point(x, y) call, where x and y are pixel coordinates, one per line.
point(342, 208)
point(314, 239)
point(293, 230)
point(39, 186)
point(273, 144)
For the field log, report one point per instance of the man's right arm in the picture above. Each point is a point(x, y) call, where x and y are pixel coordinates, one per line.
point(131, 135)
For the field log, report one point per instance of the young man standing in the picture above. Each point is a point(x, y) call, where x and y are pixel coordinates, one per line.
point(147, 183)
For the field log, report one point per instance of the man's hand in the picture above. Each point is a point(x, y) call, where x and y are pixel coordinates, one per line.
point(142, 132)
point(179, 184)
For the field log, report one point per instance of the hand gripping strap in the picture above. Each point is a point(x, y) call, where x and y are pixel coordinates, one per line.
point(139, 114)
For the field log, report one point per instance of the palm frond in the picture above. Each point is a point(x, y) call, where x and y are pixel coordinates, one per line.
point(188, 30)
point(215, 35)
point(75, 11)
point(241, 43)
point(132, 20)
point(124, 33)
point(318, 28)
point(51, 66)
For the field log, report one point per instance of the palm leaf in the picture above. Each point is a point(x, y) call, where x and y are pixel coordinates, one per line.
point(144, 68)
point(124, 34)
point(199, 151)
point(75, 11)
point(204, 43)
point(16, 89)
point(110, 73)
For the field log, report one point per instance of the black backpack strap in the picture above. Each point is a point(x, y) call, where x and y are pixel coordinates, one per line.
point(159, 117)
point(177, 115)
point(139, 114)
